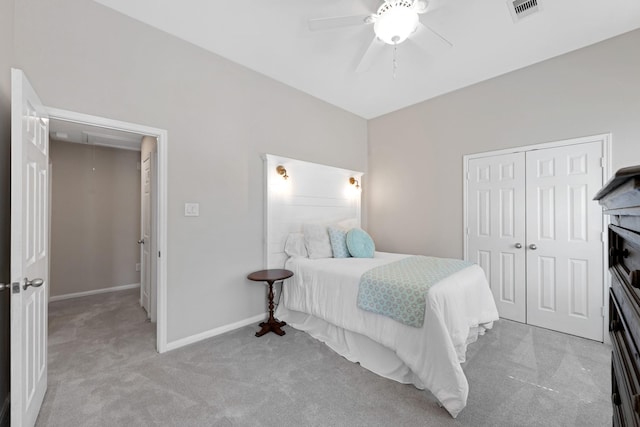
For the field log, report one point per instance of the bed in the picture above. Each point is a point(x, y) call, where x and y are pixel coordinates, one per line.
point(321, 296)
point(320, 299)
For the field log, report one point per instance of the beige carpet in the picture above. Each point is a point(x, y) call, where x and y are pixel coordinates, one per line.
point(104, 371)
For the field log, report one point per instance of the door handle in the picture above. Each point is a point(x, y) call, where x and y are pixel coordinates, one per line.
point(36, 283)
point(518, 245)
point(4, 286)
point(141, 242)
point(615, 252)
point(533, 247)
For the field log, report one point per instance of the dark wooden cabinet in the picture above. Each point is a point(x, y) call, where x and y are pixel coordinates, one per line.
point(621, 199)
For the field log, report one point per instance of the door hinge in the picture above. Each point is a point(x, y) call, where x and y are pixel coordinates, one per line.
point(467, 230)
point(603, 236)
point(602, 162)
point(602, 311)
point(158, 254)
point(468, 175)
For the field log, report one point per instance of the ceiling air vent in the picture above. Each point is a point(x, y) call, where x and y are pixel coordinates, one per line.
point(521, 8)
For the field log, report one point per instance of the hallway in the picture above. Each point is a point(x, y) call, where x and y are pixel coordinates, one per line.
point(90, 339)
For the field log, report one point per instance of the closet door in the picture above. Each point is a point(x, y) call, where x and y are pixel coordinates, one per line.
point(496, 228)
point(564, 246)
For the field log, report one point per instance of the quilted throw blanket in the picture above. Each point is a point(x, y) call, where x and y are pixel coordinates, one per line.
point(397, 290)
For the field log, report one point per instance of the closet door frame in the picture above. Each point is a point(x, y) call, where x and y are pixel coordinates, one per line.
point(606, 141)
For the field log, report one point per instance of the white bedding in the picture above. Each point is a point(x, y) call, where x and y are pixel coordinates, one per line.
point(321, 298)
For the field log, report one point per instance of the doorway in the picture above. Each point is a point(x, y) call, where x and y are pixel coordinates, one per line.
point(157, 258)
point(531, 225)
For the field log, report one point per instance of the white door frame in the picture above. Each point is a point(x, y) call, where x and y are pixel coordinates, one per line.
point(160, 206)
point(606, 140)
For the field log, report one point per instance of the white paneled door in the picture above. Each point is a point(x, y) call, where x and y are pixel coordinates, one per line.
point(564, 240)
point(533, 227)
point(146, 244)
point(496, 222)
point(29, 250)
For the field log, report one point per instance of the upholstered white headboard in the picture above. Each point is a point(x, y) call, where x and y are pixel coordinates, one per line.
point(312, 193)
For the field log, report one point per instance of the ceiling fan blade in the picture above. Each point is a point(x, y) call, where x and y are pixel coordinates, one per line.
point(319, 24)
point(372, 52)
point(429, 40)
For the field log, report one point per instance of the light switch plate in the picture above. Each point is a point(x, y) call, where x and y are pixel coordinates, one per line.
point(192, 209)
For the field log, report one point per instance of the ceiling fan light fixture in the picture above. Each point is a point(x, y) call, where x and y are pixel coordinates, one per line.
point(395, 21)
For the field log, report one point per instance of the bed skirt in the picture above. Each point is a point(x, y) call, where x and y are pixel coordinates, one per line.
point(358, 348)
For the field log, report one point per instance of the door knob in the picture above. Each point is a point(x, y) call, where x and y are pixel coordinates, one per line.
point(518, 245)
point(36, 283)
point(3, 286)
point(533, 247)
point(141, 242)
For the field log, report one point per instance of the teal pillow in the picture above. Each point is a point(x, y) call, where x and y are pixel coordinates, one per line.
point(360, 244)
point(338, 238)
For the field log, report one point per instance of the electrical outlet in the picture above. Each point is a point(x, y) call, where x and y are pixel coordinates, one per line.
point(192, 209)
point(138, 267)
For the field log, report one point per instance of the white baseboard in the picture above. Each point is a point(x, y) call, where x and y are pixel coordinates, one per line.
point(213, 332)
point(93, 292)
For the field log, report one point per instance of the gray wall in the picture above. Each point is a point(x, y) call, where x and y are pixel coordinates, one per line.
point(95, 217)
point(6, 61)
point(220, 118)
point(415, 155)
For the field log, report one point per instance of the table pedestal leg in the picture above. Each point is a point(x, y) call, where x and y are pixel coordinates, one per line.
point(272, 324)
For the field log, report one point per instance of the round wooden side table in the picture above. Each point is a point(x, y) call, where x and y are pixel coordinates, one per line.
point(270, 276)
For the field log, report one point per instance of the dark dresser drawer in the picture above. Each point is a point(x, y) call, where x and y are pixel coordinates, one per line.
point(624, 266)
point(621, 199)
point(625, 369)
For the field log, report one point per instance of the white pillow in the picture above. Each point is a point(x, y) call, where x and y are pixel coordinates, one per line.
point(294, 246)
point(316, 238)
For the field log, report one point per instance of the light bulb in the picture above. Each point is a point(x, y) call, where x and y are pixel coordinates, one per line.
point(395, 25)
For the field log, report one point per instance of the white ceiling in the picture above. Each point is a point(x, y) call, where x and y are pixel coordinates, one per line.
point(62, 130)
point(272, 38)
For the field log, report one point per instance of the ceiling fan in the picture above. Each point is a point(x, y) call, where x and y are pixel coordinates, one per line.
point(394, 22)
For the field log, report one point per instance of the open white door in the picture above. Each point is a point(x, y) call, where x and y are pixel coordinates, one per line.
point(29, 250)
point(146, 278)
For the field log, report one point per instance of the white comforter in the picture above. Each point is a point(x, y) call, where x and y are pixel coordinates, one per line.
point(458, 308)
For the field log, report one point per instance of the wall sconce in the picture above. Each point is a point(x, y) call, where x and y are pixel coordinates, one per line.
point(282, 172)
point(354, 182)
